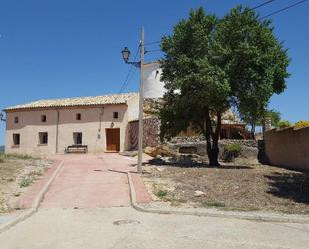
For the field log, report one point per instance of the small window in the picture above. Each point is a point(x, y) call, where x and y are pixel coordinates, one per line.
point(115, 114)
point(16, 120)
point(78, 138)
point(43, 118)
point(78, 116)
point(43, 138)
point(16, 139)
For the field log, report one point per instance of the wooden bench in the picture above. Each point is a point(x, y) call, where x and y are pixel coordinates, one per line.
point(77, 148)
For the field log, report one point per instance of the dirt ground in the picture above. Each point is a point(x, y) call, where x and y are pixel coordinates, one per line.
point(17, 173)
point(241, 185)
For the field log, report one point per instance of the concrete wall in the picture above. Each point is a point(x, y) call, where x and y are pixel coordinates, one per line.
point(94, 121)
point(153, 86)
point(288, 148)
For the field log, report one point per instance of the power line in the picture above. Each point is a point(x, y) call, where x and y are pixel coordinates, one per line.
point(129, 80)
point(262, 4)
point(254, 8)
point(150, 51)
point(283, 9)
point(151, 43)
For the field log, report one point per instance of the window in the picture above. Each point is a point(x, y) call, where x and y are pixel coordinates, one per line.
point(43, 118)
point(16, 120)
point(115, 114)
point(43, 138)
point(78, 116)
point(16, 139)
point(78, 137)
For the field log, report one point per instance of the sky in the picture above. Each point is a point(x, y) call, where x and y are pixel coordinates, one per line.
point(69, 48)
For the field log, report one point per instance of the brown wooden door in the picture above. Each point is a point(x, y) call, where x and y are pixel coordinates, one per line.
point(113, 140)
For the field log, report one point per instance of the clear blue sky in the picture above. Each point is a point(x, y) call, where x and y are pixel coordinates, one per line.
point(66, 48)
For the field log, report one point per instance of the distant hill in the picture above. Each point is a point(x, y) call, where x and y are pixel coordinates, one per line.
point(1, 148)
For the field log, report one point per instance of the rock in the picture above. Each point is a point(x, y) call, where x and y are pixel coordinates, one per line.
point(151, 151)
point(199, 193)
point(160, 169)
point(290, 180)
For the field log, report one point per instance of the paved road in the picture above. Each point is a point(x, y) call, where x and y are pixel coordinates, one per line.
point(71, 217)
point(90, 181)
point(95, 229)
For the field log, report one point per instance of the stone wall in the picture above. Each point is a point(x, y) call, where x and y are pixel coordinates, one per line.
point(151, 133)
point(201, 139)
point(288, 148)
point(197, 145)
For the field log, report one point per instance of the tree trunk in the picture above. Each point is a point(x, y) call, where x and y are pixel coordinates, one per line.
point(253, 130)
point(213, 153)
point(212, 139)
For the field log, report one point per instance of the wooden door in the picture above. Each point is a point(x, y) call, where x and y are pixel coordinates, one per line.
point(113, 140)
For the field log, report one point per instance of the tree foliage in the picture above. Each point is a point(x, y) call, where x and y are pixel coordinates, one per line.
point(212, 64)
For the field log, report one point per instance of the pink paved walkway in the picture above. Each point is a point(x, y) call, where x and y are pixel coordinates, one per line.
point(93, 181)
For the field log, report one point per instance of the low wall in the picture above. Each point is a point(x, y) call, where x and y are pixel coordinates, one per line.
point(288, 148)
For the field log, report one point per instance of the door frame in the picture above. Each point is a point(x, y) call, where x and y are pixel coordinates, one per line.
point(106, 149)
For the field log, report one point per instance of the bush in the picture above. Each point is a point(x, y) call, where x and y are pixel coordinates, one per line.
point(301, 124)
point(25, 182)
point(231, 151)
point(284, 124)
point(161, 193)
point(19, 156)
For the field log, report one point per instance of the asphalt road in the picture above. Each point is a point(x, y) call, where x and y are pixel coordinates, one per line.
point(126, 228)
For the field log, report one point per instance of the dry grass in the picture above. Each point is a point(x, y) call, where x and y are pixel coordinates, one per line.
point(16, 174)
point(232, 186)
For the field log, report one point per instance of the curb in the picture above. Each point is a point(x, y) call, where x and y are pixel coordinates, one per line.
point(212, 213)
point(23, 216)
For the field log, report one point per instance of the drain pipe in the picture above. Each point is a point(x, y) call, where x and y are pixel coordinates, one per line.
point(57, 130)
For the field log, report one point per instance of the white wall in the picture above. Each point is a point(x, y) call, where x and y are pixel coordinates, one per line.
point(153, 86)
point(94, 131)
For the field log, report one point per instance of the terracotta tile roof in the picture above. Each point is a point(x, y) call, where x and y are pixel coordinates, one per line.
point(79, 101)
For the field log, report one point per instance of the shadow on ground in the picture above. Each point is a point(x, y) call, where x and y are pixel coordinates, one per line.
point(293, 186)
point(188, 162)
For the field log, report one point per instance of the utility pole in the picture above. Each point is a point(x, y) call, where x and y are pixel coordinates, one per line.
point(141, 106)
point(140, 64)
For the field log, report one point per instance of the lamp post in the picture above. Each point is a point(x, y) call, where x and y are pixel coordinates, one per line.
point(2, 117)
point(126, 55)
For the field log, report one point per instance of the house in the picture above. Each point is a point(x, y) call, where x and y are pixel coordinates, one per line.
point(47, 127)
point(107, 123)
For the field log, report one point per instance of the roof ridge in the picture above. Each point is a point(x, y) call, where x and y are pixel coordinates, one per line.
point(112, 98)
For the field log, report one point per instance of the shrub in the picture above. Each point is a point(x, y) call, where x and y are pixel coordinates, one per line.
point(301, 124)
point(284, 124)
point(25, 182)
point(20, 156)
point(161, 193)
point(231, 151)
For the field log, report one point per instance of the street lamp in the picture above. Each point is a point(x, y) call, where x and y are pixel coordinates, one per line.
point(2, 117)
point(126, 55)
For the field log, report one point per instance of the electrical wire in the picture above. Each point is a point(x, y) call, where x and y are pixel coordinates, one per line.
point(256, 7)
point(151, 43)
point(262, 4)
point(283, 9)
point(129, 80)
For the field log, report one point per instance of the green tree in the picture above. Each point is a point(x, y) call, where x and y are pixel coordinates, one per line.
point(257, 118)
point(274, 116)
point(212, 64)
